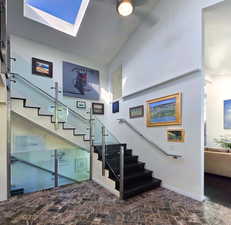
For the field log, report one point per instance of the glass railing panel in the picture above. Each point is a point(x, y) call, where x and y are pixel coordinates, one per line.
point(73, 165)
point(102, 136)
point(23, 88)
point(32, 170)
point(97, 127)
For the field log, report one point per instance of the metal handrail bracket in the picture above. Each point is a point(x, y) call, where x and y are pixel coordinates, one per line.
point(149, 141)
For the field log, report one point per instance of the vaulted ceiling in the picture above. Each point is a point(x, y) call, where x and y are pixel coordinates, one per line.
point(101, 35)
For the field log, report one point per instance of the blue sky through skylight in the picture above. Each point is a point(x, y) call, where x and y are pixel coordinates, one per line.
point(64, 9)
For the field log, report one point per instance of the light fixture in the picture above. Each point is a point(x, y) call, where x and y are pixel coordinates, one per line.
point(125, 7)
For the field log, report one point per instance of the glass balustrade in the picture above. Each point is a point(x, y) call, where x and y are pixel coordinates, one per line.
point(49, 105)
point(37, 170)
point(34, 167)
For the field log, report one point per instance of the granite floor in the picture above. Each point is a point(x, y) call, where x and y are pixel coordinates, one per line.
point(89, 204)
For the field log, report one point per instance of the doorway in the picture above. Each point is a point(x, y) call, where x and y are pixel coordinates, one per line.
point(217, 68)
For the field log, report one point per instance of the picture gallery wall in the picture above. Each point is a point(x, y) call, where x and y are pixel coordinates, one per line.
point(78, 82)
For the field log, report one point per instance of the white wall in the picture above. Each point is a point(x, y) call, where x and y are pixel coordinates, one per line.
point(218, 90)
point(177, 49)
point(154, 57)
point(23, 50)
point(183, 175)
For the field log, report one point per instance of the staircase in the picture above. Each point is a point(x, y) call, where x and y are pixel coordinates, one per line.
point(137, 179)
point(31, 103)
point(20, 107)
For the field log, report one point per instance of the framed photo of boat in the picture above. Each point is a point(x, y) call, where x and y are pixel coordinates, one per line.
point(42, 67)
point(164, 111)
point(175, 135)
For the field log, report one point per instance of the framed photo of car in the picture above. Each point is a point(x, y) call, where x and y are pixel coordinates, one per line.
point(98, 108)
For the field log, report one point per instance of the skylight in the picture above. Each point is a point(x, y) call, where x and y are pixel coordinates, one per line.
point(63, 15)
point(66, 10)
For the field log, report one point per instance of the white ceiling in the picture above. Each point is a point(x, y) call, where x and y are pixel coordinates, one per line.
point(217, 39)
point(101, 35)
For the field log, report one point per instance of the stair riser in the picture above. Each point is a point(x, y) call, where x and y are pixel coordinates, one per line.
point(135, 169)
point(111, 153)
point(151, 187)
point(133, 182)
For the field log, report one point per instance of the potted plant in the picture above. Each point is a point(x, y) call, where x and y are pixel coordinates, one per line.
point(224, 142)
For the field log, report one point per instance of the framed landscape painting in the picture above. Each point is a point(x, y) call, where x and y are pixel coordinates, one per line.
point(80, 82)
point(136, 112)
point(164, 111)
point(98, 108)
point(175, 135)
point(42, 67)
point(227, 114)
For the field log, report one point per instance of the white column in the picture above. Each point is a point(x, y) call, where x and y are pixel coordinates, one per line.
point(3, 140)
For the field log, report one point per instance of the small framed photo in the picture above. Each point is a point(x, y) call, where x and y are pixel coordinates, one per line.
point(98, 108)
point(42, 67)
point(176, 135)
point(115, 107)
point(81, 104)
point(136, 112)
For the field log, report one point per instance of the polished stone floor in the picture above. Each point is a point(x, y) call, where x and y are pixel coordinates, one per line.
point(218, 189)
point(89, 204)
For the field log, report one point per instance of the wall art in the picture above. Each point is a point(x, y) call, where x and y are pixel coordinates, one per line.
point(164, 111)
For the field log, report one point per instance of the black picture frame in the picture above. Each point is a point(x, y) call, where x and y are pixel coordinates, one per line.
point(136, 112)
point(115, 107)
point(81, 105)
point(97, 108)
point(36, 71)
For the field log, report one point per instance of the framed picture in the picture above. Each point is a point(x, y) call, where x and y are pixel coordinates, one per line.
point(115, 107)
point(80, 82)
point(98, 108)
point(42, 67)
point(164, 111)
point(136, 112)
point(81, 104)
point(227, 114)
point(175, 135)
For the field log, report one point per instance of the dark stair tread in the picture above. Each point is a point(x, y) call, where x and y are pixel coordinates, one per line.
point(132, 165)
point(138, 175)
point(154, 183)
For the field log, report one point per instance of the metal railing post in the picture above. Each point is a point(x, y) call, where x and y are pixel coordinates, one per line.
point(91, 143)
point(56, 182)
point(122, 172)
point(56, 105)
point(103, 151)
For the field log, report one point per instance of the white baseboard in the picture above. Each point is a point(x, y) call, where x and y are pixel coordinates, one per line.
point(197, 197)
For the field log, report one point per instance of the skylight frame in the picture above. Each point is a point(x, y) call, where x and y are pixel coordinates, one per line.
point(47, 19)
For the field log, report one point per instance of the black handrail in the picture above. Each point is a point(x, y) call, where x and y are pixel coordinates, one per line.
point(51, 97)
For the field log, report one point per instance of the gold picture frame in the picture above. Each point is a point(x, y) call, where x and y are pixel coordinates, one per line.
point(176, 135)
point(164, 111)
